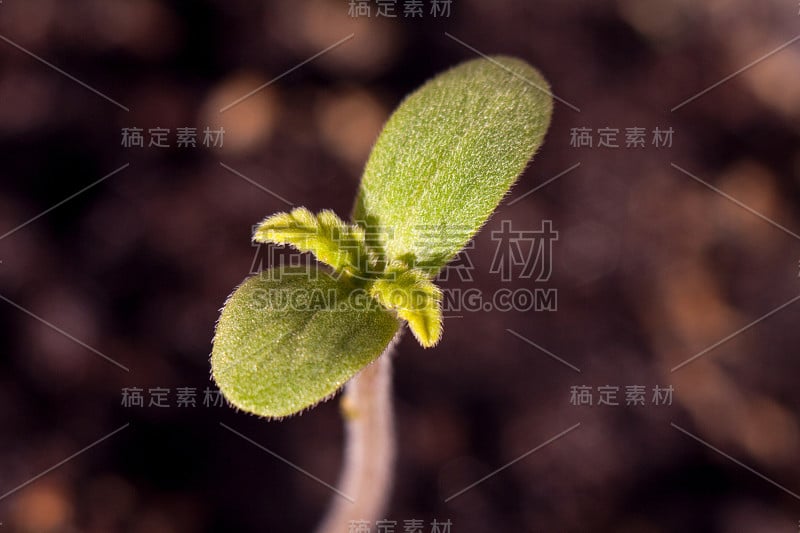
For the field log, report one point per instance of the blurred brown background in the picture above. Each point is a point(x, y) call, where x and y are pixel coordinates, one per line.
point(651, 266)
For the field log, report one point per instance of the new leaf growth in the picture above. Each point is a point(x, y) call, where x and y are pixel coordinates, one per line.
point(438, 170)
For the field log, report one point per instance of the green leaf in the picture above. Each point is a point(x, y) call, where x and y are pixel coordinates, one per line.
point(329, 238)
point(289, 339)
point(415, 298)
point(447, 156)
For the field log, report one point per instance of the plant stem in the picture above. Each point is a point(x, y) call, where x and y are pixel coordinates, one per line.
point(369, 454)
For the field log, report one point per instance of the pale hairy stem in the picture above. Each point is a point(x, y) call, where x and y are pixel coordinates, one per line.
point(369, 454)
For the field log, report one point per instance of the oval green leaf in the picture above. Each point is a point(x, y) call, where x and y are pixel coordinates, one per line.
point(288, 339)
point(447, 156)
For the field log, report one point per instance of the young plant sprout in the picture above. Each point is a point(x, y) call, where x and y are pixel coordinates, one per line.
point(290, 338)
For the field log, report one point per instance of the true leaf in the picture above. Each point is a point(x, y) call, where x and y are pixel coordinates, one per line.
point(416, 300)
point(289, 339)
point(448, 155)
point(329, 238)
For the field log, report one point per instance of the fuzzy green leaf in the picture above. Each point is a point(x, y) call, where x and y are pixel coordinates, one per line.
point(329, 238)
point(448, 155)
point(416, 300)
point(286, 342)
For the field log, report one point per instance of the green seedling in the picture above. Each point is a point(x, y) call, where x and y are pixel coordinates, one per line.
point(288, 339)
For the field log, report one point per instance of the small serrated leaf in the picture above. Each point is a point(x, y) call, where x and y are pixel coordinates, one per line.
point(416, 300)
point(289, 339)
point(329, 238)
